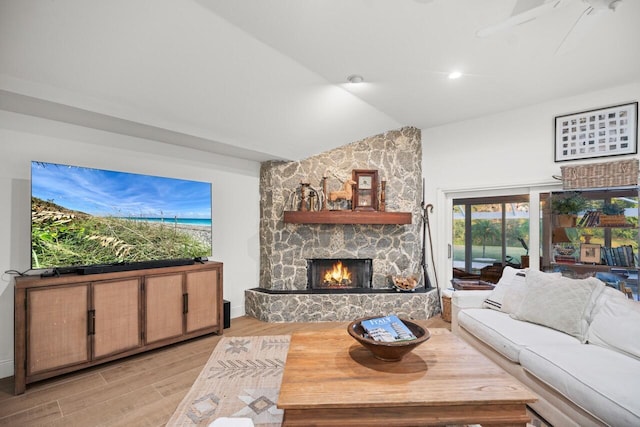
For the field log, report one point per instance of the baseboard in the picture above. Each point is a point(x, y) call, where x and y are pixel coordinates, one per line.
point(6, 368)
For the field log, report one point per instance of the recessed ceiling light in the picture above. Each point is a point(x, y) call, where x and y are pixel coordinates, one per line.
point(455, 75)
point(355, 78)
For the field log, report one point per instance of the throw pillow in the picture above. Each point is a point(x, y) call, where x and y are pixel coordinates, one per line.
point(559, 303)
point(616, 325)
point(515, 292)
point(510, 290)
point(494, 301)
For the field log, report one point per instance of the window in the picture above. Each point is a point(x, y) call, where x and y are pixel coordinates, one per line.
point(490, 230)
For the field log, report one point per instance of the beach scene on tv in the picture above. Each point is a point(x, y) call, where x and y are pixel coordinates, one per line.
point(83, 216)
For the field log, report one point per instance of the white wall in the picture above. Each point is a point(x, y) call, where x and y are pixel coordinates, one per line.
point(235, 191)
point(511, 152)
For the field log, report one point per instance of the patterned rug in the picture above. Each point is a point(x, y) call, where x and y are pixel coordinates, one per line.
point(241, 379)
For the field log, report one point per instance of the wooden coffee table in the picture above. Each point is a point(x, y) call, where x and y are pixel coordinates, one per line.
point(331, 380)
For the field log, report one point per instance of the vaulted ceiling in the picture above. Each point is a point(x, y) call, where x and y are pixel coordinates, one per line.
point(266, 79)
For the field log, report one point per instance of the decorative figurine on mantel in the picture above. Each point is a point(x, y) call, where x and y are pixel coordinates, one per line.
point(324, 191)
point(304, 193)
point(345, 193)
point(307, 198)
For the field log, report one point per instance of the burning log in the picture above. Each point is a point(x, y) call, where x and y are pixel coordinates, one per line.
point(338, 275)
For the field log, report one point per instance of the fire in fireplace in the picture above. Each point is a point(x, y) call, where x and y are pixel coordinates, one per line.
point(323, 273)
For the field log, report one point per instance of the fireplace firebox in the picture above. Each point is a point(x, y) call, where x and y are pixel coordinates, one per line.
point(335, 273)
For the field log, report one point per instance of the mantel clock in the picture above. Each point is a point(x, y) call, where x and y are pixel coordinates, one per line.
point(365, 196)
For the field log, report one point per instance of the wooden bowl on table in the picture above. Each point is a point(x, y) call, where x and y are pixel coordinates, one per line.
point(388, 351)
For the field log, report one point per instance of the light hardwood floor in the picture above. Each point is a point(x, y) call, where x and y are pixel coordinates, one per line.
point(142, 390)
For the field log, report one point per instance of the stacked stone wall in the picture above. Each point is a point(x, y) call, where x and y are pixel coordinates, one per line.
point(395, 249)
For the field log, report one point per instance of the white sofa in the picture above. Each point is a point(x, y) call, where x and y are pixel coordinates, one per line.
point(575, 343)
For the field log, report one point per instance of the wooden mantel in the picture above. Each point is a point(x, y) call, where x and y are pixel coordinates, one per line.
point(347, 217)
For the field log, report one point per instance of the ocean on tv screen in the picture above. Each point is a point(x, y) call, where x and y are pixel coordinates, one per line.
point(85, 216)
point(202, 222)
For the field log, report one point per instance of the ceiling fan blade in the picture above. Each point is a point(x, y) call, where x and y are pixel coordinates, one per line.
point(522, 6)
point(604, 4)
point(523, 11)
point(581, 27)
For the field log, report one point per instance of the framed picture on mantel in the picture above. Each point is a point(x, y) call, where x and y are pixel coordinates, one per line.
point(365, 196)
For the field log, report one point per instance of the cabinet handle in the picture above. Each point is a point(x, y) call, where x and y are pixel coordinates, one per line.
point(185, 303)
point(91, 320)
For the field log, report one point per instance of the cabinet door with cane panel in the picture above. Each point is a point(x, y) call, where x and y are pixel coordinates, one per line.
point(164, 302)
point(57, 327)
point(202, 309)
point(115, 316)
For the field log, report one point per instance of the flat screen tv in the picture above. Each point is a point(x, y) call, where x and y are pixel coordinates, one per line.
point(88, 217)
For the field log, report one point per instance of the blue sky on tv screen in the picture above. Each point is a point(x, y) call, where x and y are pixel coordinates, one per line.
point(110, 193)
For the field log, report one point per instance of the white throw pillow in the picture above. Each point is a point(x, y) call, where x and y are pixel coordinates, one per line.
point(495, 300)
point(559, 303)
point(510, 290)
point(616, 325)
point(514, 292)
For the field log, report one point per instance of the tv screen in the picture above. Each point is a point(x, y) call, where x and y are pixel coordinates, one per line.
point(82, 216)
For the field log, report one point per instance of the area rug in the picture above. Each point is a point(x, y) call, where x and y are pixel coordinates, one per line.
point(240, 380)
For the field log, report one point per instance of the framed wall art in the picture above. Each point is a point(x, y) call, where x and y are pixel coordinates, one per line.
point(590, 253)
point(610, 131)
point(365, 196)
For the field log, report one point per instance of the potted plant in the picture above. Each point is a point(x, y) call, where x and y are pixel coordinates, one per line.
point(612, 215)
point(566, 208)
point(612, 209)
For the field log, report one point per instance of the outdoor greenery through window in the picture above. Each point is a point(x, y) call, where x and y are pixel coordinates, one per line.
point(490, 230)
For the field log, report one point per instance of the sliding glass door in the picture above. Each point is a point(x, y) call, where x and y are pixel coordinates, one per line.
point(490, 230)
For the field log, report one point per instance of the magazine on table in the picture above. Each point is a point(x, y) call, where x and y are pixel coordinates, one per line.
point(387, 329)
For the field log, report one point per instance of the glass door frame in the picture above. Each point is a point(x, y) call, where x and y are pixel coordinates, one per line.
point(443, 265)
point(468, 202)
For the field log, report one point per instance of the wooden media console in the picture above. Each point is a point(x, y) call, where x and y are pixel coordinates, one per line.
point(73, 321)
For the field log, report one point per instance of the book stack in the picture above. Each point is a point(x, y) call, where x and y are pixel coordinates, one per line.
point(598, 219)
point(589, 219)
point(565, 259)
point(622, 256)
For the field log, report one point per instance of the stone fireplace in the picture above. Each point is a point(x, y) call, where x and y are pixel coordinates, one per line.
point(393, 249)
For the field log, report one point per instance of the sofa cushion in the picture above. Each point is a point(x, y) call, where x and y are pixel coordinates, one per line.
point(616, 325)
point(607, 292)
point(506, 335)
point(494, 301)
point(509, 274)
point(510, 290)
point(602, 382)
point(560, 303)
point(515, 293)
